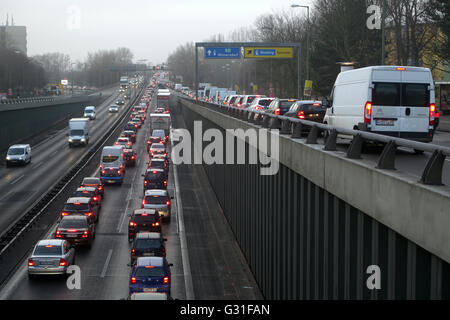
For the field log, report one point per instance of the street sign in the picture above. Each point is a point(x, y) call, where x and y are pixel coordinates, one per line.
point(274, 52)
point(223, 53)
point(308, 88)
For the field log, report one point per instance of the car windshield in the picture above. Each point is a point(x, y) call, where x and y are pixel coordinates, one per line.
point(90, 181)
point(312, 107)
point(154, 175)
point(156, 164)
point(250, 99)
point(109, 159)
point(146, 218)
point(149, 272)
point(264, 102)
point(48, 250)
point(73, 223)
point(286, 104)
point(158, 146)
point(88, 111)
point(158, 133)
point(76, 207)
point(147, 244)
point(16, 151)
point(76, 132)
point(155, 199)
point(83, 194)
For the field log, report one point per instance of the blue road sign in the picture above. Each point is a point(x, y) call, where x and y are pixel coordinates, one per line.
point(222, 53)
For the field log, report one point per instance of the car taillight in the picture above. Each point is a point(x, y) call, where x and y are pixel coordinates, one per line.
point(62, 262)
point(133, 252)
point(133, 224)
point(119, 171)
point(144, 202)
point(258, 108)
point(63, 214)
point(368, 112)
point(277, 111)
point(165, 183)
point(30, 262)
point(145, 182)
point(133, 280)
point(100, 187)
point(155, 224)
point(85, 234)
point(58, 234)
point(432, 111)
point(95, 198)
point(104, 172)
point(166, 280)
point(88, 214)
point(238, 105)
point(301, 114)
point(133, 157)
point(168, 203)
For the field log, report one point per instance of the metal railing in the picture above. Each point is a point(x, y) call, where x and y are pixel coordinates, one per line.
point(431, 174)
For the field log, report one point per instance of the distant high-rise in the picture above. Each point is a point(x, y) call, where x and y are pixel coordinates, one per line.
point(14, 37)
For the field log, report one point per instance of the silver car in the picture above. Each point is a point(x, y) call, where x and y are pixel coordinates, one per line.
point(158, 199)
point(51, 257)
point(113, 109)
point(18, 154)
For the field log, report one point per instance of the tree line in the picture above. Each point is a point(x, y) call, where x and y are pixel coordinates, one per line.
point(417, 34)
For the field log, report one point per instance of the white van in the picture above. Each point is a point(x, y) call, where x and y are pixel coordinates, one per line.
point(89, 112)
point(18, 154)
point(389, 100)
point(112, 156)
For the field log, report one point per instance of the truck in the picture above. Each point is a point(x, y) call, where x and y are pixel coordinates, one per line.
point(160, 121)
point(78, 131)
point(162, 99)
point(178, 87)
point(123, 82)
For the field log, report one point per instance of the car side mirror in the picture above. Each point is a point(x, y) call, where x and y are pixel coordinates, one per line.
point(142, 175)
point(172, 197)
point(164, 239)
point(326, 103)
point(170, 264)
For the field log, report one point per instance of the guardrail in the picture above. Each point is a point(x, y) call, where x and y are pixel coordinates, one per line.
point(42, 99)
point(39, 206)
point(431, 175)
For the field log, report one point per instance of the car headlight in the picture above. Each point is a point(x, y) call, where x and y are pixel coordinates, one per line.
point(8, 158)
point(83, 139)
point(70, 140)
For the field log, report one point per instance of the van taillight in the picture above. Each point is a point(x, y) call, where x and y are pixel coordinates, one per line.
point(30, 262)
point(133, 280)
point(432, 111)
point(368, 112)
point(166, 280)
point(301, 114)
point(277, 111)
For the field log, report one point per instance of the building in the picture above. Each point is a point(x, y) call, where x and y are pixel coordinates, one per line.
point(14, 37)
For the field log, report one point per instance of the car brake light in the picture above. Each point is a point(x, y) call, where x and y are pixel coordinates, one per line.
point(168, 203)
point(88, 214)
point(133, 157)
point(368, 112)
point(432, 111)
point(155, 224)
point(145, 182)
point(133, 251)
point(58, 234)
point(133, 280)
point(85, 234)
point(165, 183)
point(119, 171)
point(133, 224)
point(63, 214)
point(72, 230)
point(144, 202)
point(166, 280)
point(277, 111)
point(401, 69)
point(62, 262)
point(301, 114)
point(104, 171)
point(30, 262)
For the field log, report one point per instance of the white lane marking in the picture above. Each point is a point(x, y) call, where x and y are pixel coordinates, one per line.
point(6, 195)
point(17, 179)
point(37, 165)
point(188, 283)
point(105, 267)
point(124, 214)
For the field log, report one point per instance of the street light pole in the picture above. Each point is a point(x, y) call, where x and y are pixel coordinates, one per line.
point(307, 39)
point(383, 31)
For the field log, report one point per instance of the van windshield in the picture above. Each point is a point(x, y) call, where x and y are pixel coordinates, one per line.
point(16, 151)
point(76, 132)
point(109, 159)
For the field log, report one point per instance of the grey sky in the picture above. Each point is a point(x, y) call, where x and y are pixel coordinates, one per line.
point(152, 29)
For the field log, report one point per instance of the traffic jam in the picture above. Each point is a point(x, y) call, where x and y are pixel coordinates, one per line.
point(150, 276)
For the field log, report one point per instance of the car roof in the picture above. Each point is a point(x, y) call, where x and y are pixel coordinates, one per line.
point(19, 146)
point(158, 144)
point(155, 192)
point(155, 169)
point(78, 199)
point(74, 218)
point(144, 211)
point(50, 242)
point(149, 296)
point(157, 159)
point(97, 178)
point(86, 189)
point(148, 235)
point(150, 261)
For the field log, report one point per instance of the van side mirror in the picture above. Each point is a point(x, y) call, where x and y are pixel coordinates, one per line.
point(164, 239)
point(326, 103)
point(170, 264)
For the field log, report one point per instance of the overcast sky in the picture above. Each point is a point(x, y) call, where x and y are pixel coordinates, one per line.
point(152, 29)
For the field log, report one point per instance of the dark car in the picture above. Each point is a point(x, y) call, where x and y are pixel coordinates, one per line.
point(129, 157)
point(280, 106)
point(143, 220)
point(307, 110)
point(120, 102)
point(130, 126)
point(76, 229)
point(80, 206)
point(94, 182)
point(91, 193)
point(148, 244)
point(155, 179)
point(130, 135)
point(157, 148)
point(112, 175)
point(150, 274)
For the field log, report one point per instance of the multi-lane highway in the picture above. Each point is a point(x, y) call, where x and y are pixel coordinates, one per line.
point(207, 262)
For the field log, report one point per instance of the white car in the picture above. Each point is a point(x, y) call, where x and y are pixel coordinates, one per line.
point(18, 154)
point(113, 109)
point(89, 112)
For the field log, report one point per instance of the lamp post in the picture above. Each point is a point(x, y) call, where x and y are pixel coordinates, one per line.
point(307, 39)
point(71, 73)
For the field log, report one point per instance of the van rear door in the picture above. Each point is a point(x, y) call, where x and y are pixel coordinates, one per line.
point(401, 107)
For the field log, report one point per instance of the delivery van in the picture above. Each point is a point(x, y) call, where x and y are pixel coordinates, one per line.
point(112, 167)
point(389, 100)
point(78, 132)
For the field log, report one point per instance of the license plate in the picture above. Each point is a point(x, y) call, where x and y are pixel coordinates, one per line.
point(150, 289)
point(313, 115)
point(71, 235)
point(111, 181)
point(148, 254)
point(384, 122)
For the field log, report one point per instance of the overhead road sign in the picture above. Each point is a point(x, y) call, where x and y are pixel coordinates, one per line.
point(265, 52)
point(222, 53)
